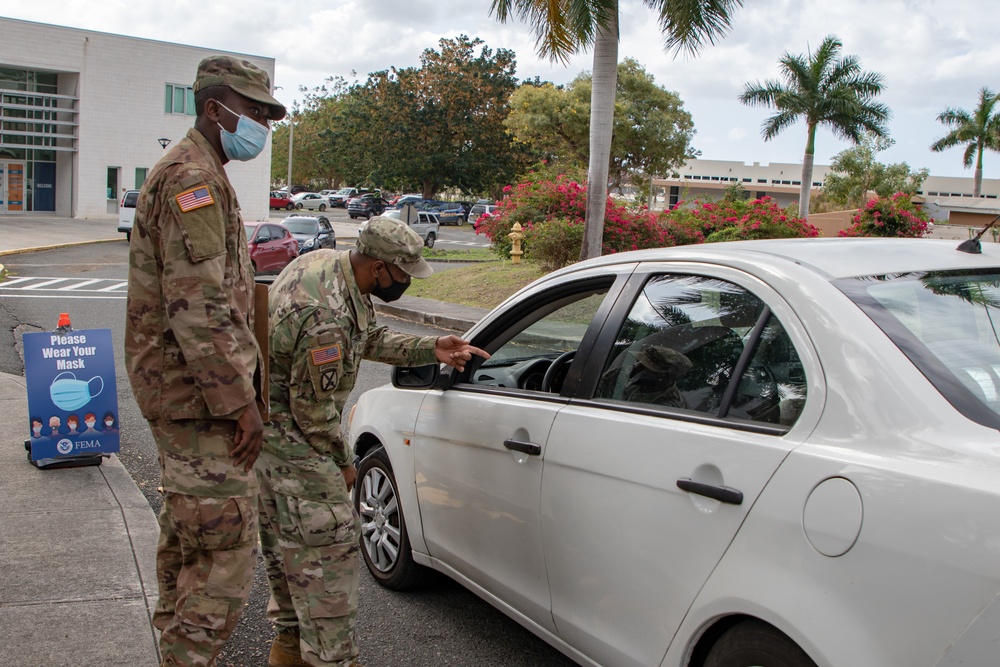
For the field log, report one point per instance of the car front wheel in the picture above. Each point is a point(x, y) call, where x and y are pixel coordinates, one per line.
point(298, 207)
point(385, 544)
point(288, 206)
point(429, 241)
point(322, 207)
point(756, 644)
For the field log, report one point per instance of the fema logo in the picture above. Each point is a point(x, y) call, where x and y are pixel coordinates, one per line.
point(64, 446)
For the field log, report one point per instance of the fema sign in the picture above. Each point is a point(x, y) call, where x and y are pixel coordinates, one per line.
point(72, 393)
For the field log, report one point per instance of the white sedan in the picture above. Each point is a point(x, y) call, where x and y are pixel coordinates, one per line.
point(312, 201)
point(774, 453)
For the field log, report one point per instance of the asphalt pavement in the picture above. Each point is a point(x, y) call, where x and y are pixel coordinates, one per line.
point(78, 545)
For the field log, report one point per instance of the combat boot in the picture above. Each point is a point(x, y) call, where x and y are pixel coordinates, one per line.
point(285, 651)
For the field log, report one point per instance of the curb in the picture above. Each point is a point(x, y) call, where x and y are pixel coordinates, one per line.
point(55, 246)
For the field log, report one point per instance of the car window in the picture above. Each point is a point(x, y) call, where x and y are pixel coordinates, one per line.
point(698, 344)
point(521, 356)
point(262, 235)
point(276, 232)
point(301, 226)
point(324, 226)
point(948, 324)
point(130, 199)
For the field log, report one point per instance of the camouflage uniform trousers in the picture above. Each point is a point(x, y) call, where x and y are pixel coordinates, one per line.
point(311, 553)
point(205, 558)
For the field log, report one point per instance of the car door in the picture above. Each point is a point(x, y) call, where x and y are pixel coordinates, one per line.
point(326, 237)
point(479, 446)
point(694, 395)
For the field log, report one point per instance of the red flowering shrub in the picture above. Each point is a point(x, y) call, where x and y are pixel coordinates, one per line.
point(747, 220)
point(556, 243)
point(895, 216)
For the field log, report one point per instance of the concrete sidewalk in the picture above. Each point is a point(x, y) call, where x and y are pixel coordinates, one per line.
point(78, 545)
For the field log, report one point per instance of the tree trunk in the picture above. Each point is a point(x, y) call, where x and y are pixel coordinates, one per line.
point(807, 174)
point(977, 180)
point(602, 117)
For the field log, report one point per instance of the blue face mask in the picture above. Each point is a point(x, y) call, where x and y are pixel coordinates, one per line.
point(248, 140)
point(69, 394)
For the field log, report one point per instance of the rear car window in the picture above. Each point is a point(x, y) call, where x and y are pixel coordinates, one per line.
point(130, 199)
point(946, 323)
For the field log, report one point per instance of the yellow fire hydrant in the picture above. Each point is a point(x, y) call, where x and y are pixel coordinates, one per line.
point(516, 237)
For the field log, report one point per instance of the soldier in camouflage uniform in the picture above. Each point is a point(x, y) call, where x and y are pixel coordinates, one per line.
point(321, 326)
point(192, 358)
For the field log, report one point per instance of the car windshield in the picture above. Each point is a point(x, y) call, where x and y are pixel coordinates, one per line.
point(345, 191)
point(946, 322)
point(302, 226)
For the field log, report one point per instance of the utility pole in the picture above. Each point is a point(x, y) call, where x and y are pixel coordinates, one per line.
point(291, 138)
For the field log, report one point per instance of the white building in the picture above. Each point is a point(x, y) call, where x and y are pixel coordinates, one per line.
point(942, 195)
point(83, 116)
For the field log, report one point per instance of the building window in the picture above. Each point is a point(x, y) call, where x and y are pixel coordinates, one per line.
point(675, 196)
point(178, 99)
point(140, 176)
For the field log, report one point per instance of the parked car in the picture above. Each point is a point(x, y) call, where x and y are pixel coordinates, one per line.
point(126, 212)
point(484, 210)
point(366, 206)
point(311, 233)
point(426, 224)
point(393, 201)
point(272, 246)
point(281, 199)
point(480, 207)
point(400, 202)
point(341, 196)
point(312, 201)
point(725, 454)
point(450, 213)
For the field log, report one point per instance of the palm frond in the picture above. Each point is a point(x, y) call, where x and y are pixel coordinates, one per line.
point(688, 25)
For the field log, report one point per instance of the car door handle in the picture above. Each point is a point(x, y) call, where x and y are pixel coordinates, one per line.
point(725, 494)
point(526, 447)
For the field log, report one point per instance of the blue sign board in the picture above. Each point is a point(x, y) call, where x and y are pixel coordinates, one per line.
point(72, 393)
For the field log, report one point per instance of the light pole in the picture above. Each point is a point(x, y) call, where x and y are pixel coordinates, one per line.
point(291, 139)
point(164, 142)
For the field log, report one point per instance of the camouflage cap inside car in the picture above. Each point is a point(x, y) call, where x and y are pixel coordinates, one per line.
point(392, 241)
point(242, 76)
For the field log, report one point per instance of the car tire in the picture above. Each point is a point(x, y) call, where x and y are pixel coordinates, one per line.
point(128, 236)
point(288, 206)
point(429, 241)
point(385, 543)
point(352, 216)
point(322, 207)
point(754, 643)
point(298, 207)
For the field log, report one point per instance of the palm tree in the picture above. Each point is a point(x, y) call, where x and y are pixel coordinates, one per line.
point(822, 89)
point(565, 26)
point(977, 131)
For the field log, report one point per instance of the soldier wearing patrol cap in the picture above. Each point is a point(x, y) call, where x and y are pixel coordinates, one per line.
point(321, 325)
point(192, 359)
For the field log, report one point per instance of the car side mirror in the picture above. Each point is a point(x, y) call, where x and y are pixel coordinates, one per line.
point(420, 377)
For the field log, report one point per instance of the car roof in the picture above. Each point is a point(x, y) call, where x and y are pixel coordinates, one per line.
point(831, 258)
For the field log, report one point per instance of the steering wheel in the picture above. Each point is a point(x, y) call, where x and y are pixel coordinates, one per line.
point(557, 365)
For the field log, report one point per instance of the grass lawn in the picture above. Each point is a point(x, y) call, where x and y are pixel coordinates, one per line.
point(484, 285)
point(469, 255)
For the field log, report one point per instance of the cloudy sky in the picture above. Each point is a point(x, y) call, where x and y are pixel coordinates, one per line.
point(932, 53)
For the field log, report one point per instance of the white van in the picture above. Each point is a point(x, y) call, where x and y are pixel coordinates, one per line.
point(126, 212)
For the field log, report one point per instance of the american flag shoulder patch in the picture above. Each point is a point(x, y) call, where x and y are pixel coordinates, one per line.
point(196, 197)
point(325, 355)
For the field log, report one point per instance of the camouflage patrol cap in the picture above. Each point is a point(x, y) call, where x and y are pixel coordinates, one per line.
point(661, 359)
point(242, 76)
point(393, 242)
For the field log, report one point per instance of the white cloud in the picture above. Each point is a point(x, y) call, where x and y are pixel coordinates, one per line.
point(933, 54)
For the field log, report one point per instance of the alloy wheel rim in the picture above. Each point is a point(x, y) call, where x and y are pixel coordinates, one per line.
point(380, 520)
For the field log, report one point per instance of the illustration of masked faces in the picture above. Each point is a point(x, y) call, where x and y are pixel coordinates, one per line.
point(108, 423)
point(71, 423)
point(54, 424)
point(36, 428)
point(69, 394)
point(90, 421)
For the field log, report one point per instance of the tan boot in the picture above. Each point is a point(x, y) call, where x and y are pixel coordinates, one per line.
point(285, 651)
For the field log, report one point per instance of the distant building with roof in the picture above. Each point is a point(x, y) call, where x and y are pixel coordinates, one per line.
point(85, 115)
point(947, 199)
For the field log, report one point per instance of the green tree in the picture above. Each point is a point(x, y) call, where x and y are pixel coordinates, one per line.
point(314, 164)
point(652, 131)
point(820, 88)
point(435, 126)
point(856, 172)
point(977, 131)
point(563, 27)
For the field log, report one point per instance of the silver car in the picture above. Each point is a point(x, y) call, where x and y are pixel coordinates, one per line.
point(720, 455)
point(425, 223)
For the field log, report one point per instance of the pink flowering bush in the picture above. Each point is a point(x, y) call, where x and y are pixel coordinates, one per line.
point(751, 219)
point(895, 216)
point(556, 243)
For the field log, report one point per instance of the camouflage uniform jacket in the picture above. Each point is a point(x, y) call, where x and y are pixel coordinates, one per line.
point(320, 327)
point(189, 344)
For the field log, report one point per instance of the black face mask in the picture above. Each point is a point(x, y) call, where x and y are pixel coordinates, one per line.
point(392, 292)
